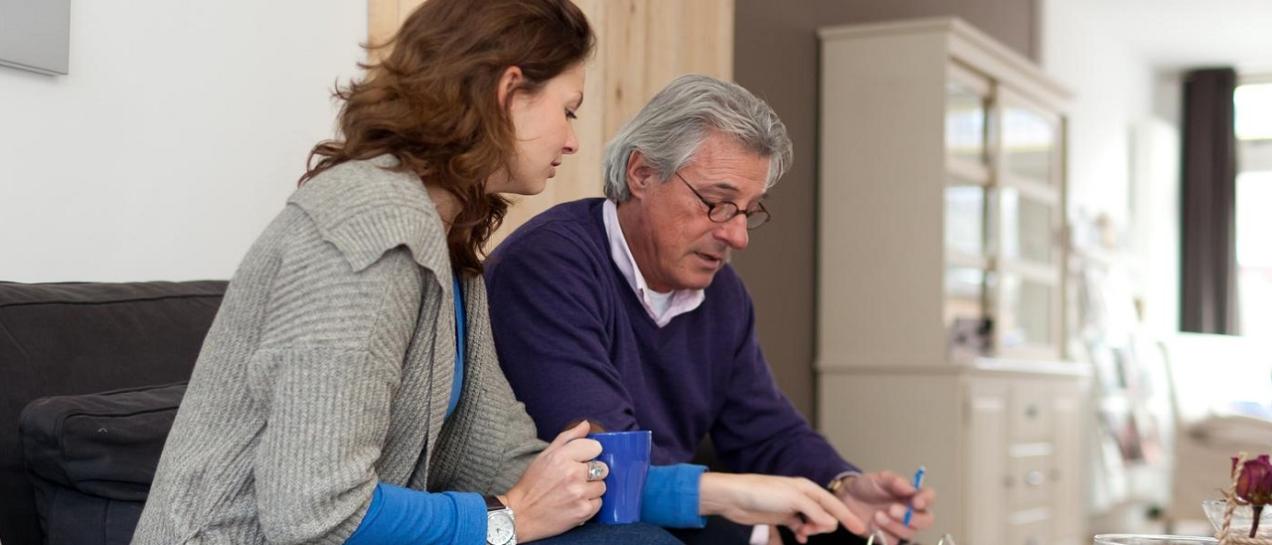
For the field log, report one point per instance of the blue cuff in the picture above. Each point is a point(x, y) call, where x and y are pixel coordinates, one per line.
point(401, 515)
point(670, 498)
point(471, 519)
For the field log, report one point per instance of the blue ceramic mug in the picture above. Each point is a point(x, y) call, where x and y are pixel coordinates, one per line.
point(627, 455)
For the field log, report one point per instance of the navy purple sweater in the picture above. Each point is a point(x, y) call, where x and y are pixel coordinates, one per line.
point(575, 342)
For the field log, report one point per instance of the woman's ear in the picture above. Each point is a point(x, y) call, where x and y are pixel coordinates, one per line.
point(640, 174)
point(508, 82)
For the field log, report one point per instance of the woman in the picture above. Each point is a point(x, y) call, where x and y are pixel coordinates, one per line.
point(331, 391)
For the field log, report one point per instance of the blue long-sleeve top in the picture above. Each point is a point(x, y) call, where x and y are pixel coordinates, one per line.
point(401, 515)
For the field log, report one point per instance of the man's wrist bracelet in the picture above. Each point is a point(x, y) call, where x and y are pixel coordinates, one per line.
point(839, 483)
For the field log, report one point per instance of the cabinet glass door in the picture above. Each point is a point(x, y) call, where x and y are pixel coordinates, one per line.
point(965, 220)
point(1027, 218)
point(967, 124)
point(1029, 223)
point(1030, 136)
point(1027, 315)
point(964, 289)
point(968, 277)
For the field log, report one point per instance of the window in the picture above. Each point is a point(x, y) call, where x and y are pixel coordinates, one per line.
point(1253, 117)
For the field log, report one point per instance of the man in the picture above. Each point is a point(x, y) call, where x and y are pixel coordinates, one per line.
point(626, 311)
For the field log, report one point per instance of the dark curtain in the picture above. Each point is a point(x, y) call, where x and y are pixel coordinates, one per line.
point(1208, 300)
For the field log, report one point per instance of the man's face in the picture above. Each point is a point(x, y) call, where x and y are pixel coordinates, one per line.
point(675, 243)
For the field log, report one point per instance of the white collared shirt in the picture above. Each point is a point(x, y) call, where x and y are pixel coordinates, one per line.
point(661, 307)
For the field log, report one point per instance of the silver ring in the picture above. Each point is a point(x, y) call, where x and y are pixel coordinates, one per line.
point(595, 470)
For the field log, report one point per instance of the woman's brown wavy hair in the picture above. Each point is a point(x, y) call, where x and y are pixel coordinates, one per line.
point(432, 103)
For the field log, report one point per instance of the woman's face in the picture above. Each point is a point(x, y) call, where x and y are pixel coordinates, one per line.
point(543, 122)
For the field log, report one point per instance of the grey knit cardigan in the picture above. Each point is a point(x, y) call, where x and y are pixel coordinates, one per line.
point(328, 369)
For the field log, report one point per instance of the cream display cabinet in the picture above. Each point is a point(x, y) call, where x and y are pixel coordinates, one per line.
point(941, 281)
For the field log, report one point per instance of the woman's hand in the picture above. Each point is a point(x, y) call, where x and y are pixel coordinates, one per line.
point(794, 502)
point(554, 494)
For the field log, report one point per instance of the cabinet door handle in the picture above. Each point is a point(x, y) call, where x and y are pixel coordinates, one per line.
point(1034, 478)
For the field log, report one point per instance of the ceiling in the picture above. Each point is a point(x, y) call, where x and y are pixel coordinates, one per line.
point(1176, 34)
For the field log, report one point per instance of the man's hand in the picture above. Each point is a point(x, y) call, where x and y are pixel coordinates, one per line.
point(881, 500)
point(794, 502)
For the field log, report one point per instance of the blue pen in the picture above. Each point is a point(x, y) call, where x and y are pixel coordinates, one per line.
point(918, 482)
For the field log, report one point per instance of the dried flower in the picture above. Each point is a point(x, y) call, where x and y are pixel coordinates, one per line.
point(1255, 483)
point(1254, 486)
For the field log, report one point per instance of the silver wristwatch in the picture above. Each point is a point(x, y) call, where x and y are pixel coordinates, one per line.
point(501, 528)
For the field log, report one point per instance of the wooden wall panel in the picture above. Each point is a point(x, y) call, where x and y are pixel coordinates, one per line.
point(641, 46)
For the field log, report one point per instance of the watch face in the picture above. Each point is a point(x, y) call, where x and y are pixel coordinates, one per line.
point(499, 528)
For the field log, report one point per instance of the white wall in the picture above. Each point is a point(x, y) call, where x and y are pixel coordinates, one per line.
point(1122, 158)
point(176, 137)
point(1111, 87)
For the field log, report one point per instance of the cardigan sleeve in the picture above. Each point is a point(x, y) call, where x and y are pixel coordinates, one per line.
point(328, 363)
point(488, 442)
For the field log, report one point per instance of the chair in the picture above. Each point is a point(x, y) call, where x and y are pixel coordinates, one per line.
point(1222, 398)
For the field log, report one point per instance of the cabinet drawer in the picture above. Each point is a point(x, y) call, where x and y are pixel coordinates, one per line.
point(1029, 481)
point(1031, 527)
point(1030, 412)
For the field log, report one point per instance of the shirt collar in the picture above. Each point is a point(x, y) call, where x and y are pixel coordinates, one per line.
point(682, 301)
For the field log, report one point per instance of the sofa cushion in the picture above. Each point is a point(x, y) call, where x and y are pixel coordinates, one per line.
point(79, 338)
point(105, 444)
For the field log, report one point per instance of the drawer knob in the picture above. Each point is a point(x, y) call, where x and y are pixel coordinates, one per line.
point(1034, 478)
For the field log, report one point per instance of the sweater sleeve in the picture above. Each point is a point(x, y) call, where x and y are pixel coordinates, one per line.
point(758, 430)
point(328, 362)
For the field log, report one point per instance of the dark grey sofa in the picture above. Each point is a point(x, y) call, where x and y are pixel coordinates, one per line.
point(70, 339)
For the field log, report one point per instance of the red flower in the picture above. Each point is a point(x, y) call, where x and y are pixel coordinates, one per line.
point(1255, 484)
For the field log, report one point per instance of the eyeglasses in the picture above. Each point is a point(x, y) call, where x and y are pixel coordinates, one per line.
point(723, 211)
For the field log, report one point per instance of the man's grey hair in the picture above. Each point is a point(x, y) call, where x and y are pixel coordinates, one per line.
point(669, 129)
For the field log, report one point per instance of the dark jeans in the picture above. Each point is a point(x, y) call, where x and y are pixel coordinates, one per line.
point(617, 534)
point(721, 531)
point(838, 537)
